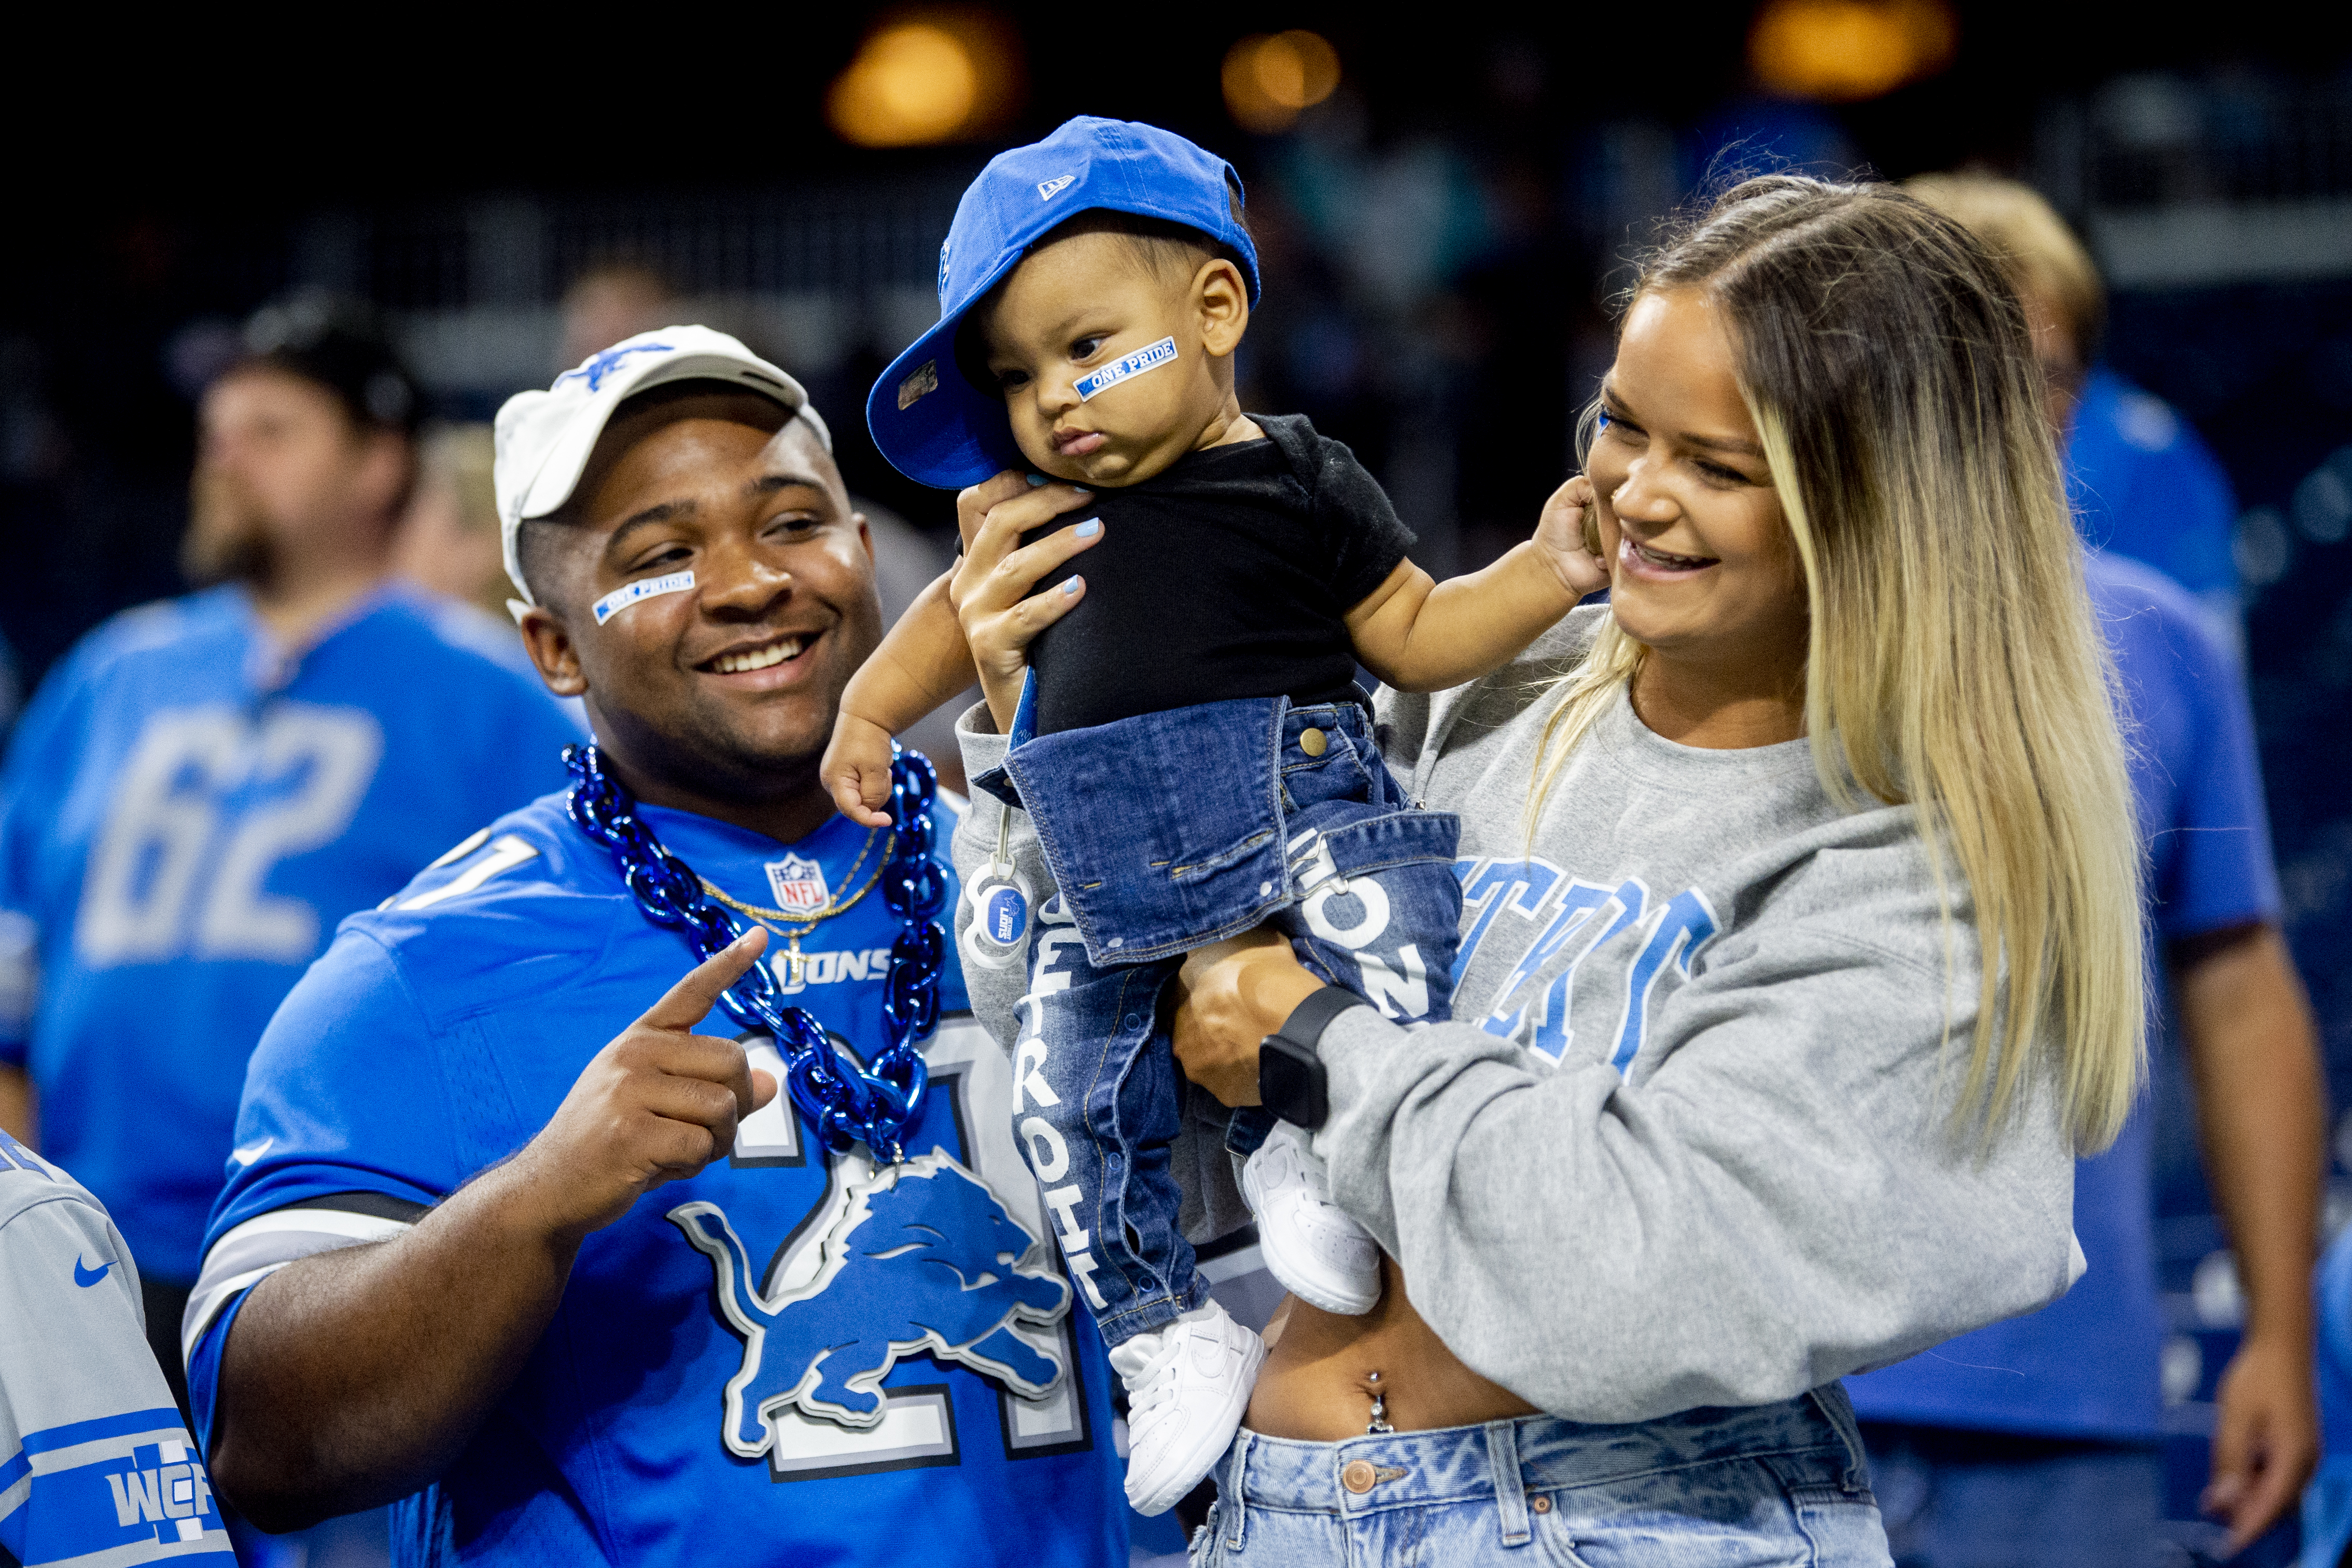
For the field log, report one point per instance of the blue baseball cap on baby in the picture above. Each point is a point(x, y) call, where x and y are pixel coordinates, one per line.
point(933, 425)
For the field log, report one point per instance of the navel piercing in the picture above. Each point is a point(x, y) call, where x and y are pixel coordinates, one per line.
point(1378, 1427)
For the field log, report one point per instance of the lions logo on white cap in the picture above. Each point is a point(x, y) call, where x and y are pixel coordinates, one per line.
point(596, 367)
point(544, 439)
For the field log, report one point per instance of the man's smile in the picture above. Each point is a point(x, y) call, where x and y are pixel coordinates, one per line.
point(774, 655)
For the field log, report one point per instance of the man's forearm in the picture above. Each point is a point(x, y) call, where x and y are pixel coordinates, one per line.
point(2256, 1065)
point(354, 1377)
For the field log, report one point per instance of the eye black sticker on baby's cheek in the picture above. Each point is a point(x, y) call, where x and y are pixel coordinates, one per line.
point(1135, 364)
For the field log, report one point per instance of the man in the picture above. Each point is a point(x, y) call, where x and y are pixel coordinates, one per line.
point(204, 788)
point(617, 299)
point(2144, 485)
point(449, 541)
point(611, 300)
point(95, 1464)
point(2039, 1439)
point(449, 1279)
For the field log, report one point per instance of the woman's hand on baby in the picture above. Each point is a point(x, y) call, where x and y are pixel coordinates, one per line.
point(995, 586)
point(857, 769)
point(1563, 538)
point(1229, 997)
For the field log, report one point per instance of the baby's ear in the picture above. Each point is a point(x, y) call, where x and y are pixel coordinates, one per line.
point(1222, 296)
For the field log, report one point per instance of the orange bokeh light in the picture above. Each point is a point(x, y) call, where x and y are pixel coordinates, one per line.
point(1270, 77)
point(926, 77)
point(1843, 51)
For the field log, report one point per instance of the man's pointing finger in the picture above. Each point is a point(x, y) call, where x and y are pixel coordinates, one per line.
point(689, 1002)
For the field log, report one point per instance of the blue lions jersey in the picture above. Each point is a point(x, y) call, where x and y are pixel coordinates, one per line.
point(793, 1357)
point(2145, 485)
point(185, 814)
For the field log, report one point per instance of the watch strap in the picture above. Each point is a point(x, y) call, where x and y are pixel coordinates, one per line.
point(1308, 1021)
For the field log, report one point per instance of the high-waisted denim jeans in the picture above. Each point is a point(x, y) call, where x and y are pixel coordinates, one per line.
point(1778, 1484)
point(1164, 833)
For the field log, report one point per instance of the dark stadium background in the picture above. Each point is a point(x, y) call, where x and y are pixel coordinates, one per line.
point(1437, 233)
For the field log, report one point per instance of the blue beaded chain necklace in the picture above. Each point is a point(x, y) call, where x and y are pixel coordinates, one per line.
point(844, 1104)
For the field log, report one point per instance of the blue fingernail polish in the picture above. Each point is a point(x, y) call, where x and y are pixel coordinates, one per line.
point(1088, 530)
point(1071, 586)
point(1035, 479)
point(1082, 489)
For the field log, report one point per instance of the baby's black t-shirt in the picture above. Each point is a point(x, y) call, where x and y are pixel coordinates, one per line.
point(1229, 574)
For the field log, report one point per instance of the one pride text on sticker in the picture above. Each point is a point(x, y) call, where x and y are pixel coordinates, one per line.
point(620, 599)
point(1135, 364)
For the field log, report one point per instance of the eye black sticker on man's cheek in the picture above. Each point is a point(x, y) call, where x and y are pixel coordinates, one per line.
point(621, 599)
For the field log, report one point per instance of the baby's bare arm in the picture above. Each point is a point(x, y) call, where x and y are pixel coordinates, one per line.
point(1420, 635)
point(923, 661)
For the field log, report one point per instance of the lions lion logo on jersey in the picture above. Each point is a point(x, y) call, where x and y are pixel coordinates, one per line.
point(919, 1257)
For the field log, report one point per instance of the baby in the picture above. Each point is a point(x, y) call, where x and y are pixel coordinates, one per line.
point(1191, 744)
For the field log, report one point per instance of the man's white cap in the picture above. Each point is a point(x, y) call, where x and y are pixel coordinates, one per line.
point(544, 439)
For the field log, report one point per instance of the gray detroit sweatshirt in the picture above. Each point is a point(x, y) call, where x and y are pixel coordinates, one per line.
point(1687, 1141)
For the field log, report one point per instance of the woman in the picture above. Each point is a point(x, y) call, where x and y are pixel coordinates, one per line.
point(1730, 1107)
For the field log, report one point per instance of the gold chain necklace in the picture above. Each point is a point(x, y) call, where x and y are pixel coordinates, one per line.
point(792, 927)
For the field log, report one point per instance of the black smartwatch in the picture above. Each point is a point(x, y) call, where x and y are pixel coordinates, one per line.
point(1290, 1079)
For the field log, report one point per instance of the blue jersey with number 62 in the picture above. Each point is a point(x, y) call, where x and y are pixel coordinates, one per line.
point(186, 812)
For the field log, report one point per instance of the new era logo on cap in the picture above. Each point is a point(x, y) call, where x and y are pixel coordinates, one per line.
point(1047, 188)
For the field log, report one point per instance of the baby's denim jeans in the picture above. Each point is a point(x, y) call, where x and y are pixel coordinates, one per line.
point(1164, 833)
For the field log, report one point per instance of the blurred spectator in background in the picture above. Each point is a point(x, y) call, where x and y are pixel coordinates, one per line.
point(2142, 483)
point(611, 300)
point(2038, 1439)
point(2328, 1502)
point(204, 786)
point(449, 539)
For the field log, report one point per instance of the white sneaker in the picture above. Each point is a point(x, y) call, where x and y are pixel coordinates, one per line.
point(1187, 1386)
point(1316, 1252)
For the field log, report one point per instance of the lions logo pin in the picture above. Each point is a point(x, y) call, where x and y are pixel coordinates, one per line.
point(999, 898)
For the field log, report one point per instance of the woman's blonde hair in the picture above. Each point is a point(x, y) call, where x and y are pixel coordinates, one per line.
point(1954, 661)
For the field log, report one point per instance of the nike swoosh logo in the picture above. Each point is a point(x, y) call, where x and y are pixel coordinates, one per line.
point(251, 1151)
point(86, 1277)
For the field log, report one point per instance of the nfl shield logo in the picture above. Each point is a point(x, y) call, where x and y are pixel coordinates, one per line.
point(798, 884)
